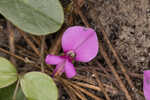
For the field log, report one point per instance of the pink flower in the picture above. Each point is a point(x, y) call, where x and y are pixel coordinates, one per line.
point(78, 43)
point(146, 85)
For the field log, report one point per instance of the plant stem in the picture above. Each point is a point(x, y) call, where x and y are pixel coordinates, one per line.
point(42, 53)
point(15, 92)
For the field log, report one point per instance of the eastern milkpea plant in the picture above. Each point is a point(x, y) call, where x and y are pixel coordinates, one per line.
point(78, 43)
point(42, 17)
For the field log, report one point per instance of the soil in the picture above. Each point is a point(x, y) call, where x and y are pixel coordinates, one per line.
point(127, 24)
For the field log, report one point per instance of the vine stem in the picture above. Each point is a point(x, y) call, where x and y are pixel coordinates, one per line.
point(42, 53)
point(15, 92)
point(11, 40)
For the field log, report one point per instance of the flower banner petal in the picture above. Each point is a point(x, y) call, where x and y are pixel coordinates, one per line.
point(88, 50)
point(83, 41)
point(146, 87)
point(69, 69)
point(53, 60)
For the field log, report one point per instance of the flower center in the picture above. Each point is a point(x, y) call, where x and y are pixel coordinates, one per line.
point(71, 54)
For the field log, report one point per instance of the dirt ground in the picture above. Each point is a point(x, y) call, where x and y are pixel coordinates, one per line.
point(127, 24)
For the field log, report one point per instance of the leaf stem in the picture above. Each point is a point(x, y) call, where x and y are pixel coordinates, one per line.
point(42, 53)
point(15, 92)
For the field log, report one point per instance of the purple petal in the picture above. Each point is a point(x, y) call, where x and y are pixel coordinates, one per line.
point(69, 69)
point(146, 87)
point(83, 41)
point(53, 60)
point(59, 69)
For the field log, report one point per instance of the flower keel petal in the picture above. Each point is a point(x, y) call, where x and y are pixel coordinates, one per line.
point(69, 69)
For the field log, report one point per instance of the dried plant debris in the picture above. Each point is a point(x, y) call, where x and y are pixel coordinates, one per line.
point(126, 23)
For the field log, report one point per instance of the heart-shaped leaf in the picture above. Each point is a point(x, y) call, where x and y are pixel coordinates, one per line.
point(7, 93)
point(8, 73)
point(38, 17)
point(38, 86)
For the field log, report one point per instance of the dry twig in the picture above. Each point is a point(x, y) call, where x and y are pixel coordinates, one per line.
point(11, 40)
point(100, 84)
point(116, 57)
point(82, 90)
point(30, 43)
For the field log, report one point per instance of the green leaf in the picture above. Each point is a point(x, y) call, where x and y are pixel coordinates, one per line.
point(7, 93)
point(38, 86)
point(8, 73)
point(38, 17)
